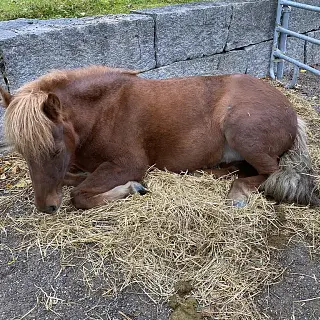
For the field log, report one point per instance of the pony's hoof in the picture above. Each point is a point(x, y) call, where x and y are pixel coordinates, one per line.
point(239, 203)
point(138, 188)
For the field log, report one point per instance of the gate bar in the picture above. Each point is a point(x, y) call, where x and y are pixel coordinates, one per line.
point(300, 5)
point(283, 39)
point(298, 35)
point(280, 36)
point(280, 55)
point(275, 39)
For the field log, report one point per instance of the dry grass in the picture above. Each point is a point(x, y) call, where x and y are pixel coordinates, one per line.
point(181, 230)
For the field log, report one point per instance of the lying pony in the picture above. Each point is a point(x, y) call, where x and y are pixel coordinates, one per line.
point(114, 125)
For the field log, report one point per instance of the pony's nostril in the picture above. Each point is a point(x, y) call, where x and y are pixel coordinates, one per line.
point(52, 209)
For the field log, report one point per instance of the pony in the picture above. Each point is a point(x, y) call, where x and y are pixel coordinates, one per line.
point(100, 129)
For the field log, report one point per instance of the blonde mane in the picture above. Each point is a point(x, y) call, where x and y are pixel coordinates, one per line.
point(27, 128)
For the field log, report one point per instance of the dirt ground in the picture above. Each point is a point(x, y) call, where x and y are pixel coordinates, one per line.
point(296, 295)
point(36, 287)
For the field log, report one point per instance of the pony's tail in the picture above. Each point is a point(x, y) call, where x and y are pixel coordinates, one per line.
point(295, 180)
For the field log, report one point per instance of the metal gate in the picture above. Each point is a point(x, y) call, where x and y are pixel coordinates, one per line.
point(281, 33)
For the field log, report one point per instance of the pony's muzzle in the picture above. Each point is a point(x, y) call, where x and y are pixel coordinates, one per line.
point(51, 209)
point(51, 205)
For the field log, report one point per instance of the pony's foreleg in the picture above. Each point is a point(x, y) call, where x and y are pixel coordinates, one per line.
point(108, 182)
point(74, 179)
point(85, 200)
point(120, 192)
point(242, 188)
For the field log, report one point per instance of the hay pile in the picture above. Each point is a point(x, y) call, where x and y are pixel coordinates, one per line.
point(181, 230)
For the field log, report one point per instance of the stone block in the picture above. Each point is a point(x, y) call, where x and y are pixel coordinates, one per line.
point(312, 54)
point(194, 67)
point(232, 62)
point(304, 20)
point(258, 56)
point(251, 23)
point(189, 31)
point(33, 47)
point(224, 63)
point(295, 50)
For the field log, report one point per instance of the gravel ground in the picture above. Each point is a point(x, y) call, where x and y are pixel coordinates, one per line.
point(296, 296)
point(33, 287)
point(40, 288)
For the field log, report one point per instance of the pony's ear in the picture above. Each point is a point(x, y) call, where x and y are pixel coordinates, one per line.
point(6, 97)
point(52, 107)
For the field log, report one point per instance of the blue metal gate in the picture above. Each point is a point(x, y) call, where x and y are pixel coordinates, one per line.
point(281, 32)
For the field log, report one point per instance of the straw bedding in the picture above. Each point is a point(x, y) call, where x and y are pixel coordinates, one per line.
point(181, 230)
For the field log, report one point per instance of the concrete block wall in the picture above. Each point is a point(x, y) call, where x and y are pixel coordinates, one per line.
point(232, 36)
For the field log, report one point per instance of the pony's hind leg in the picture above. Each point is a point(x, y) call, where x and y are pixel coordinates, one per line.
point(243, 187)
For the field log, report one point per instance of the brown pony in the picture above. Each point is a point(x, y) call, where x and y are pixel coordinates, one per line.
point(113, 126)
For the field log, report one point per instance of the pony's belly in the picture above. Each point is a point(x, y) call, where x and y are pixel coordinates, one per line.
point(230, 155)
point(190, 161)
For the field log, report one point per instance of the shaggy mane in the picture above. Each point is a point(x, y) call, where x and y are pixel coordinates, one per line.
point(27, 128)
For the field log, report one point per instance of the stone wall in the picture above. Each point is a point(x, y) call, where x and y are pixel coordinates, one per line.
point(190, 39)
point(182, 40)
point(31, 48)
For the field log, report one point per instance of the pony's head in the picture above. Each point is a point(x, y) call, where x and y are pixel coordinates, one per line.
point(35, 126)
